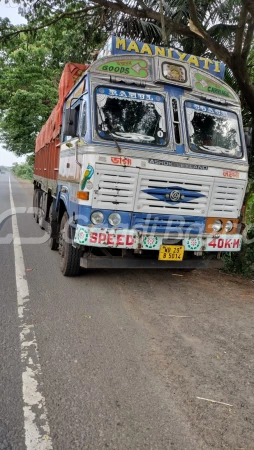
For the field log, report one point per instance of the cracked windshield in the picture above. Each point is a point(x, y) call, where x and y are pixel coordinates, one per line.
point(213, 131)
point(131, 116)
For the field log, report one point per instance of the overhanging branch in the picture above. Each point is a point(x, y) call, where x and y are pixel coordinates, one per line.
point(141, 3)
point(249, 5)
point(248, 40)
point(240, 31)
point(144, 12)
point(218, 49)
point(195, 25)
point(51, 22)
point(147, 13)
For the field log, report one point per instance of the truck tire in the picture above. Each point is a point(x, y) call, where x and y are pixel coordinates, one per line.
point(52, 242)
point(36, 199)
point(40, 211)
point(69, 255)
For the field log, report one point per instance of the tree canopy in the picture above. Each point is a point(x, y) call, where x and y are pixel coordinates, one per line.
point(32, 56)
point(28, 92)
point(58, 31)
point(30, 69)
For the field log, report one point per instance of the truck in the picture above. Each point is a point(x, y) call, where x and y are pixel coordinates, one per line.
point(142, 163)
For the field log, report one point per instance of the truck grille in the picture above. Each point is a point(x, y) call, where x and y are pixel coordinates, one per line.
point(148, 192)
point(154, 188)
point(227, 198)
point(115, 188)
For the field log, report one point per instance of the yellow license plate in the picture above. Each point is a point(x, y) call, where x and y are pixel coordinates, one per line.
point(171, 252)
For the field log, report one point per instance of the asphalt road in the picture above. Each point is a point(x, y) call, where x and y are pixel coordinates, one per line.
point(124, 355)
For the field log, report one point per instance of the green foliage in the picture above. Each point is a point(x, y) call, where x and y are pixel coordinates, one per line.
point(242, 262)
point(220, 17)
point(24, 171)
point(89, 36)
point(87, 24)
point(28, 92)
point(30, 69)
point(249, 208)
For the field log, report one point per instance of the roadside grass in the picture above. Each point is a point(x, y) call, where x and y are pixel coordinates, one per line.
point(24, 171)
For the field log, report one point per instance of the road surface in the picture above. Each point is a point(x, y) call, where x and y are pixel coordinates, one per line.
point(118, 360)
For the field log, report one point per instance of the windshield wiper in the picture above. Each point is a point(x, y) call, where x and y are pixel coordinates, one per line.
point(115, 141)
point(109, 132)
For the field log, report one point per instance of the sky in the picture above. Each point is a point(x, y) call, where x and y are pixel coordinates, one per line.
point(10, 10)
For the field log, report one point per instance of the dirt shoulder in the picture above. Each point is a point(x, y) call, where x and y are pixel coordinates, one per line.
point(201, 330)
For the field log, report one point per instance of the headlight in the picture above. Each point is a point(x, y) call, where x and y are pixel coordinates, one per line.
point(114, 219)
point(229, 226)
point(217, 225)
point(97, 217)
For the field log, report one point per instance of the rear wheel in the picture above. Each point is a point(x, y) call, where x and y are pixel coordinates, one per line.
point(69, 255)
point(40, 211)
point(36, 200)
point(52, 242)
point(34, 197)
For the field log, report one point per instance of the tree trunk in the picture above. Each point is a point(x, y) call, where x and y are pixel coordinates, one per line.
point(239, 69)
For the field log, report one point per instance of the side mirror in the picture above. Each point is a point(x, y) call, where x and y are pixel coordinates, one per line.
point(70, 123)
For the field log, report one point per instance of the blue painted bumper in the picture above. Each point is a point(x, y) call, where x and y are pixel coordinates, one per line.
point(156, 223)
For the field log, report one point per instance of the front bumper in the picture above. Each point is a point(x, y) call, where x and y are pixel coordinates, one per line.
point(117, 262)
point(133, 239)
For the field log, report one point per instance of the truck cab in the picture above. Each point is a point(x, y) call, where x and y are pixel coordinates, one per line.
point(152, 165)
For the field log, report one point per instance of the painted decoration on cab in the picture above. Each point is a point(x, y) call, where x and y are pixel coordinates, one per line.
point(120, 160)
point(137, 68)
point(87, 176)
point(82, 236)
point(174, 194)
point(150, 242)
point(231, 173)
point(105, 237)
point(194, 243)
point(116, 46)
point(174, 72)
point(207, 85)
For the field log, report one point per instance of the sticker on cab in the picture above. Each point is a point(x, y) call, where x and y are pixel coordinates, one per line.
point(224, 243)
point(193, 244)
point(98, 237)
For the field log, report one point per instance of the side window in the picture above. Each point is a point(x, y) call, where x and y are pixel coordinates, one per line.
point(77, 118)
point(71, 122)
point(176, 120)
point(65, 130)
point(83, 120)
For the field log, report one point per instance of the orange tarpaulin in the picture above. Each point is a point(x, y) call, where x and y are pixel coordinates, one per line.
point(71, 73)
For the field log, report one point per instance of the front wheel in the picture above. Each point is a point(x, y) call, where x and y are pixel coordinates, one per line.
point(69, 255)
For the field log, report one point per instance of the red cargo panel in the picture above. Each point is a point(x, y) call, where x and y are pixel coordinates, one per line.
point(47, 160)
point(71, 73)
